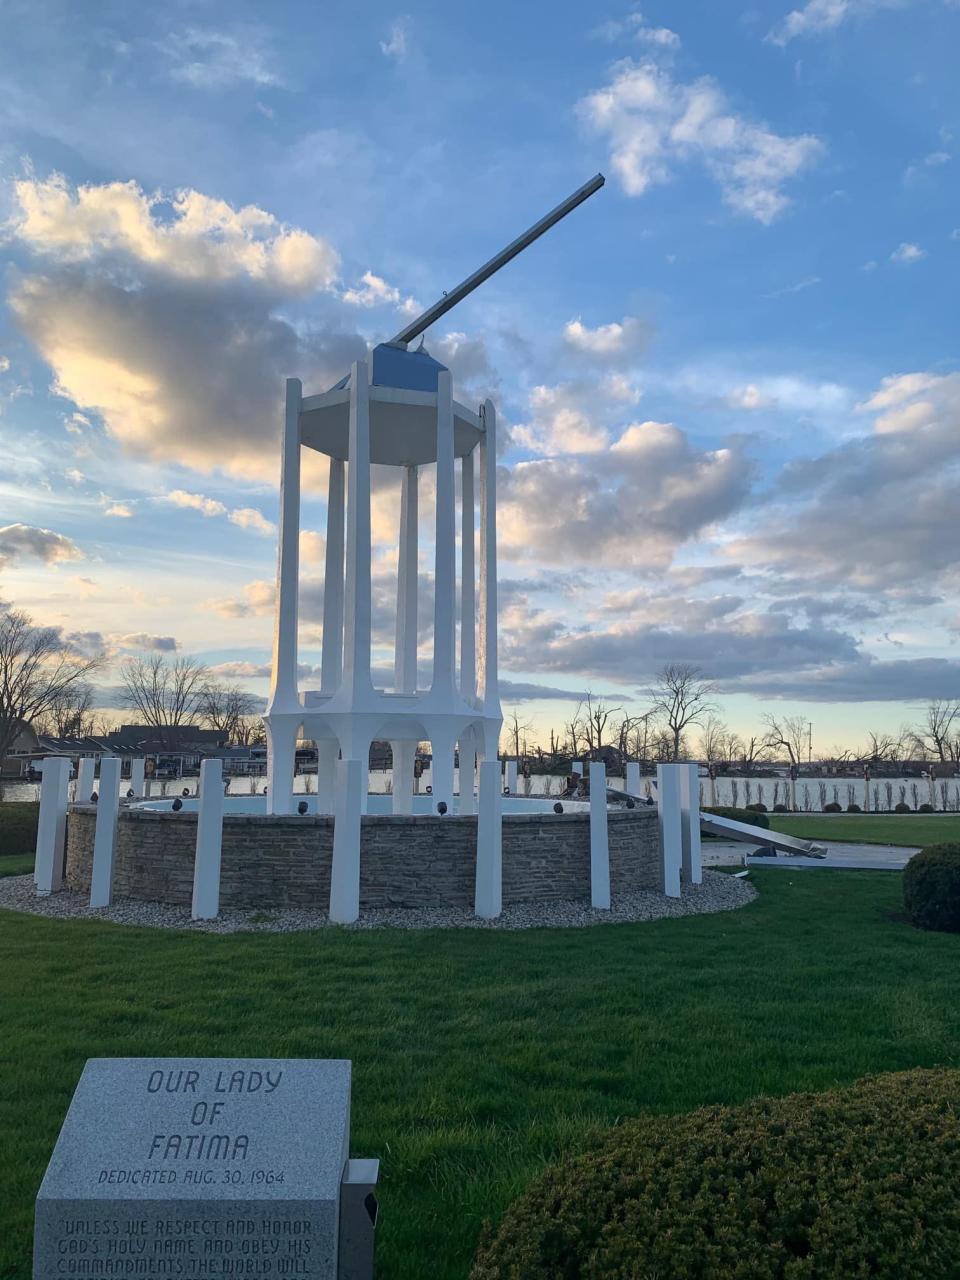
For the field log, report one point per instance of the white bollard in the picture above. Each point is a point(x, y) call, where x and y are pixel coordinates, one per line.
point(488, 886)
point(468, 801)
point(671, 839)
point(206, 864)
point(633, 778)
point(327, 753)
point(86, 772)
point(404, 754)
point(599, 842)
point(52, 826)
point(137, 765)
point(105, 835)
point(691, 860)
point(577, 767)
point(345, 870)
point(510, 776)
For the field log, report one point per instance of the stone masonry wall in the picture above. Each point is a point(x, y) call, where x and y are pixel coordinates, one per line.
point(405, 861)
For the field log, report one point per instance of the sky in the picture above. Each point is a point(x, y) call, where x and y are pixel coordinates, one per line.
point(727, 386)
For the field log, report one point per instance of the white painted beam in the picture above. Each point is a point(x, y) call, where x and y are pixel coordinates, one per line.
point(345, 869)
point(331, 668)
point(599, 838)
point(488, 888)
point(105, 833)
point(671, 839)
point(52, 825)
point(206, 864)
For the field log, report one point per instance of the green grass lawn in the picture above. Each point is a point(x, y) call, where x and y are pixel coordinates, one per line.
point(480, 1056)
point(881, 828)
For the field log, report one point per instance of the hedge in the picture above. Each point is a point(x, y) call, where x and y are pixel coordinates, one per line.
point(18, 826)
point(749, 816)
point(931, 887)
point(855, 1182)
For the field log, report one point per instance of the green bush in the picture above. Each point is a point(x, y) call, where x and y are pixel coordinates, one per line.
point(740, 815)
point(902, 807)
point(18, 827)
point(832, 807)
point(757, 807)
point(856, 1182)
point(854, 808)
point(926, 808)
point(781, 808)
point(931, 888)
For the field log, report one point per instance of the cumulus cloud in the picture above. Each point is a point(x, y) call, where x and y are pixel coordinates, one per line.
point(612, 339)
point(258, 600)
point(818, 16)
point(634, 26)
point(143, 640)
point(122, 510)
point(907, 252)
point(27, 542)
point(397, 44)
point(655, 123)
point(558, 424)
point(252, 519)
point(373, 291)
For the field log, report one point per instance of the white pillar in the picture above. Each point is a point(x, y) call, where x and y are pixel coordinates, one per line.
point(510, 776)
point(468, 588)
point(668, 805)
point(281, 760)
point(327, 752)
point(445, 586)
point(599, 842)
point(467, 753)
point(52, 825)
point(404, 754)
point(206, 864)
point(331, 667)
point(86, 772)
point(405, 653)
point(283, 686)
point(441, 769)
point(577, 767)
point(488, 888)
point(136, 776)
point(633, 778)
point(356, 631)
point(487, 679)
point(105, 834)
point(691, 861)
point(345, 869)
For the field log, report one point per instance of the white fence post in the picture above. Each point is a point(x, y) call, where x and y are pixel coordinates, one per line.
point(510, 776)
point(691, 860)
point(599, 842)
point(105, 835)
point(488, 885)
point(577, 767)
point(137, 765)
point(206, 865)
point(345, 869)
point(671, 839)
point(52, 826)
point(86, 772)
point(633, 778)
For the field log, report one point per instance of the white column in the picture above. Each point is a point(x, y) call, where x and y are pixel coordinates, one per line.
point(327, 753)
point(105, 834)
point(468, 588)
point(668, 805)
point(281, 759)
point(468, 751)
point(52, 825)
point(405, 653)
point(86, 772)
point(690, 823)
point(713, 791)
point(404, 754)
point(445, 586)
point(345, 869)
point(441, 769)
point(356, 631)
point(206, 864)
point(332, 657)
point(577, 767)
point(488, 888)
point(487, 647)
point(599, 841)
point(136, 776)
point(283, 684)
point(510, 776)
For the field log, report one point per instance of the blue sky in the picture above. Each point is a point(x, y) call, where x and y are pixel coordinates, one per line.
point(729, 382)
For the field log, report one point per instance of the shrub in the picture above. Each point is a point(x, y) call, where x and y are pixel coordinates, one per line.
point(926, 808)
point(902, 807)
point(931, 888)
point(781, 808)
point(18, 826)
point(757, 807)
point(751, 816)
point(854, 1182)
point(854, 808)
point(832, 807)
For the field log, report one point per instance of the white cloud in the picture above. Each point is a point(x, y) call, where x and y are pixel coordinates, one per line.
point(558, 425)
point(634, 27)
point(750, 397)
point(258, 600)
point(210, 59)
point(4, 364)
point(373, 291)
point(607, 339)
point(24, 541)
point(907, 252)
point(245, 517)
point(121, 509)
point(397, 44)
point(252, 519)
point(144, 640)
point(196, 502)
point(655, 123)
point(825, 15)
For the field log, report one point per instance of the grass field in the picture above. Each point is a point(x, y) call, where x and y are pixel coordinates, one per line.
point(480, 1056)
point(868, 828)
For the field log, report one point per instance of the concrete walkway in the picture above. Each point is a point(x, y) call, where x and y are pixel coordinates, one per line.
point(858, 857)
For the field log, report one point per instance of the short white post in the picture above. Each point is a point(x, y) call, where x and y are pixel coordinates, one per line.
point(52, 825)
point(345, 870)
point(105, 835)
point(599, 842)
point(441, 770)
point(510, 776)
point(281, 761)
point(206, 865)
point(136, 776)
point(404, 754)
point(633, 778)
point(467, 755)
point(86, 772)
point(690, 823)
point(577, 767)
point(668, 805)
point(488, 887)
point(327, 752)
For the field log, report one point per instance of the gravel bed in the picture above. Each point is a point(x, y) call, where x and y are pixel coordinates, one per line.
point(717, 893)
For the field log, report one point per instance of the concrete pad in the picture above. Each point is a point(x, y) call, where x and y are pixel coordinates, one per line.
point(840, 856)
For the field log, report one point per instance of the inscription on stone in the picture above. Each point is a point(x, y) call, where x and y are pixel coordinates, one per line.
point(197, 1168)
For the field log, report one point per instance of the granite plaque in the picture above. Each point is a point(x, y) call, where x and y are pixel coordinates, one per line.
point(197, 1168)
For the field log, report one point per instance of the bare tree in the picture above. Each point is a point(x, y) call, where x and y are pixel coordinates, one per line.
point(515, 729)
point(164, 694)
point(682, 697)
point(788, 733)
point(225, 707)
point(594, 721)
point(71, 714)
point(715, 739)
point(940, 730)
point(574, 732)
point(37, 669)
